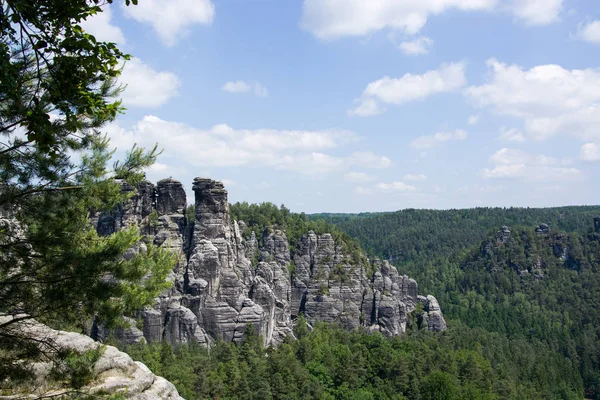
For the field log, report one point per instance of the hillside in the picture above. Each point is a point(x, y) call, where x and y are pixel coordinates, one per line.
point(533, 278)
point(523, 308)
point(255, 265)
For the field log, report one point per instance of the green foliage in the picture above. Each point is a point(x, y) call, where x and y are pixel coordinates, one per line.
point(265, 217)
point(75, 370)
point(190, 213)
point(330, 363)
point(538, 293)
point(153, 218)
point(57, 90)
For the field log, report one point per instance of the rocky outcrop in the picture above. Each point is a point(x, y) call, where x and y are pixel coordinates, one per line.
point(542, 229)
point(113, 373)
point(225, 281)
point(432, 317)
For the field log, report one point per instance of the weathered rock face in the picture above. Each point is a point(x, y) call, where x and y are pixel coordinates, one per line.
point(225, 281)
point(114, 372)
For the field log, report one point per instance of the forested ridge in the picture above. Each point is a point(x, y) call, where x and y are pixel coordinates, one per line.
point(521, 298)
point(522, 306)
point(536, 289)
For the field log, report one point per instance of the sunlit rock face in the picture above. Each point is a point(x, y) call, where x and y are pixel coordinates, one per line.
point(114, 373)
point(224, 281)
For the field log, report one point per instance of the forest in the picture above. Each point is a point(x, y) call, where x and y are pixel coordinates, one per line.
point(521, 304)
point(519, 287)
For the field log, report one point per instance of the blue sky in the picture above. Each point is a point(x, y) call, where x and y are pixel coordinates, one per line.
point(366, 105)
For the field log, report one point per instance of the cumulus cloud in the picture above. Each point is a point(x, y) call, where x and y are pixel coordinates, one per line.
point(590, 152)
point(243, 87)
point(548, 98)
point(536, 12)
point(333, 19)
point(410, 87)
point(511, 135)
point(590, 32)
point(158, 171)
point(172, 19)
point(100, 25)
point(366, 108)
point(369, 159)
point(418, 46)
point(425, 142)
point(222, 146)
point(415, 177)
point(395, 187)
point(146, 87)
point(518, 164)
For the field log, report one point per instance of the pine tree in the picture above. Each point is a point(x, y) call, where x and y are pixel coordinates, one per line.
point(57, 90)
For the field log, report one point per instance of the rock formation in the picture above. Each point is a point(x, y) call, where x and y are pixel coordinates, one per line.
point(113, 373)
point(225, 282)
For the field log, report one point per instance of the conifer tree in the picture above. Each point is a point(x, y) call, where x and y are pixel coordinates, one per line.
point(57, 90)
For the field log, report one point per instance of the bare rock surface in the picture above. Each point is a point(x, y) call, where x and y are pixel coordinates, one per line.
point(225, 281)
point(113, 373)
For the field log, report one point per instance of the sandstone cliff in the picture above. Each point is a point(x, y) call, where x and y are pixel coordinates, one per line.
point(113, 373)
point(225, 281)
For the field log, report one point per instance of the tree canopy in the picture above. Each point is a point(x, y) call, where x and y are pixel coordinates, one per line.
point(57, 90)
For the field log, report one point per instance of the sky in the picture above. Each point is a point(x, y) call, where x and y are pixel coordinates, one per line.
point(365, 105)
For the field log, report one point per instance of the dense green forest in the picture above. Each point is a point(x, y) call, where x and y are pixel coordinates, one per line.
point(522, 303)
point(266, 217)
point(532, 288)
point(522, 309)
point(330, 363)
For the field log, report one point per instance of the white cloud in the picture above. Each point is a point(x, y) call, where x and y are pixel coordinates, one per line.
point(415, 177)
point(590, 32)
point(395, 187)
point(222, 146)
point(242, 87)
point(333, 19)
point(517, 164)
point(358, 177)
point(147, 87)
point(536, 12)
point(447, 78)
point(473, 120)
point(590, 152)
point(418, 46)
point(425, 142)
point(366, 108)
point(548, 98)
point(158, 171)
point(511, 135)
point(100, 25)
point(369, 160)
point(310, 164)
point(172, 19)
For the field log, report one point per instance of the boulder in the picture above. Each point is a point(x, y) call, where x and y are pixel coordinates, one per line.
point(113, 373)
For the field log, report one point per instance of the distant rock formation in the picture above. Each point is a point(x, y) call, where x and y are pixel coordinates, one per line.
point(218, 290)
point(113, 373)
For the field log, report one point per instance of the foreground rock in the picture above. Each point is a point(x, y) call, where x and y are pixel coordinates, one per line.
point(113, 373)
point(225, 281)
